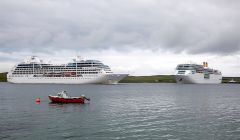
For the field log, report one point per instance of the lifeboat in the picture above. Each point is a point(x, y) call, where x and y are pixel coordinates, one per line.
point(62, 97)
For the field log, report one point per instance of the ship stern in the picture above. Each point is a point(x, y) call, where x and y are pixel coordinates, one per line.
point(113, 78)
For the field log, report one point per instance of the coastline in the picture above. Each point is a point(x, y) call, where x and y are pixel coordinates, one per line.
point(145, 79)
point(3, 77)
point(149, 79)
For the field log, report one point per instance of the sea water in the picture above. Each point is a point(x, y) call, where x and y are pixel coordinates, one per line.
point(123, 111)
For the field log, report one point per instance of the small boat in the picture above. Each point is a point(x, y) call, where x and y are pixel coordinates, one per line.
point(232, 81)
point(62, 97)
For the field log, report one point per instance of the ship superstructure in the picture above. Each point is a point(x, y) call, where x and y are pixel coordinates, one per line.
point(79, 71)
point(197, 74)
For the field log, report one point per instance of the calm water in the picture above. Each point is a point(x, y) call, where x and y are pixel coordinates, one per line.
point(124, 111)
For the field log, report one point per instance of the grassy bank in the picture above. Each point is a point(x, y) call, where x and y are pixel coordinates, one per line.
point(227, 79)
point(149, 79)
point(3, 77)
point(165, 79)
point(145, 79)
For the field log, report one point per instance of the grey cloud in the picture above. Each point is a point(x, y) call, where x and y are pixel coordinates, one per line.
point(207, 26)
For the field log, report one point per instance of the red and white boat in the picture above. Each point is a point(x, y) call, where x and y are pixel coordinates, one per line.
point(62, 97)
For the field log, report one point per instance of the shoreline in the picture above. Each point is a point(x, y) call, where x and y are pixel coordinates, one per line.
point(147, 79)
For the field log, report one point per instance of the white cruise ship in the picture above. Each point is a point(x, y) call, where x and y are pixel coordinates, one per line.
point(79, 71)
point(197, 74)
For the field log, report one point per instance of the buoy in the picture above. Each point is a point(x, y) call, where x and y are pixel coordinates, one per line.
point(38, 100)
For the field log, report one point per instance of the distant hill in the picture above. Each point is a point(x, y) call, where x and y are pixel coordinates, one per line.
point(227, 79)
point(144, 79)
point(3, 77)
point(165, 79)
point(149, 79)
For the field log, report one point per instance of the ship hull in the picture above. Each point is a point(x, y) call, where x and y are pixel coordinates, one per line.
point(89, 79)
point(198, 78)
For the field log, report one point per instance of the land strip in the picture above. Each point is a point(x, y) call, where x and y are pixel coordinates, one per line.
point(145, 79)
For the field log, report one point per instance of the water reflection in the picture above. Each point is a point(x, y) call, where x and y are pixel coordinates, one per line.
point(68, 106)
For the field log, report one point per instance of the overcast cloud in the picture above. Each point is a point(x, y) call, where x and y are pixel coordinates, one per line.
point(204, 28)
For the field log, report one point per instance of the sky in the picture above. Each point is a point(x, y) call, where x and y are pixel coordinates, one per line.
point(139, 37)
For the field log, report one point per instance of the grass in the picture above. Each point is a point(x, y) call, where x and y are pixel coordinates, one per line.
point(3, 77)
point(149, 79)
point(164, 79)
point(145, 79)
point(227, 79)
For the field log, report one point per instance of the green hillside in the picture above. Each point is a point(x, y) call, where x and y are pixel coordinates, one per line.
point(3, 77)
point(165, 79)
point(145, 79)
point(149, 79)
point(227, 79)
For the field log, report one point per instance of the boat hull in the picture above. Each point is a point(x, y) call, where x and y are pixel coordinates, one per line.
point(86, 79)
point(66, 100)
point(198, 79)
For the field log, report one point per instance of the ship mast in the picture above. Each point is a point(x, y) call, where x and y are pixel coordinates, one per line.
point(33, 67)
point(77, 59)
point(33, 57)
point(76, 68)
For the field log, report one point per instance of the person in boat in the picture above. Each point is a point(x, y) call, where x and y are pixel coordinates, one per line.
point(63, 94)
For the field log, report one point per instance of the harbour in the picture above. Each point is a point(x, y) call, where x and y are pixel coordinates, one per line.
point(119, 70)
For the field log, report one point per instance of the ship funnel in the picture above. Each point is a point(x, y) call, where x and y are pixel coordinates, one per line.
point(205, 64)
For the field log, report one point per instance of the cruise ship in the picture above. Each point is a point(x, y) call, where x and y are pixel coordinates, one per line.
point(79, 71)
point(197, 74)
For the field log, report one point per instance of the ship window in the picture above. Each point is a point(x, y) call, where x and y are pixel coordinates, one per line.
point(206, 74)
point(181, 72)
